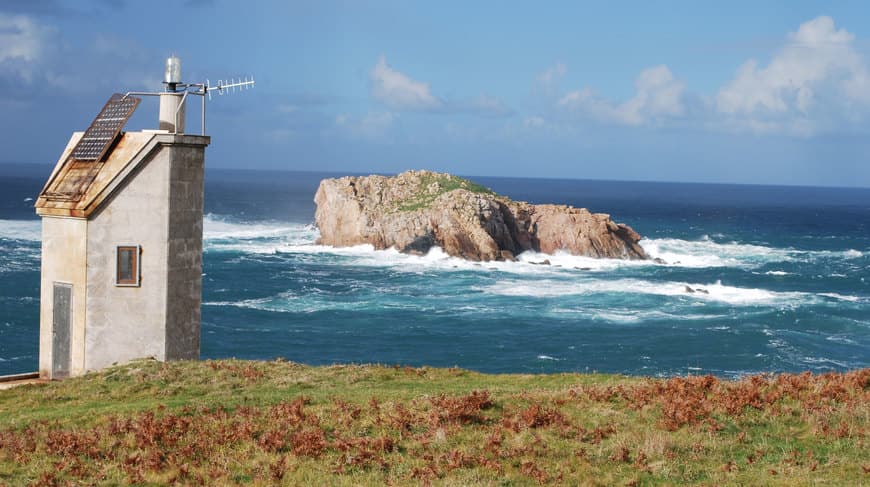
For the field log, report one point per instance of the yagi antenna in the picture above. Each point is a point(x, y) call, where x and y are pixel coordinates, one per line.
point(232, 84)
point(172, 81)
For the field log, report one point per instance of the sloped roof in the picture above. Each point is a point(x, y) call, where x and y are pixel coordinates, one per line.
point(78, 188)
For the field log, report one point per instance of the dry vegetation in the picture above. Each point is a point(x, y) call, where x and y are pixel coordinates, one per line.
point(235, 422)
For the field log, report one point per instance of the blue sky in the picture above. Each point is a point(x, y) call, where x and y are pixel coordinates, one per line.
point(747, 92)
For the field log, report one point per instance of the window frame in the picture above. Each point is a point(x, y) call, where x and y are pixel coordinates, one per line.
point(137, 265)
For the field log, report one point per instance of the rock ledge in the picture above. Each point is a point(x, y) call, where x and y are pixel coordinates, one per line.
point(417, 210)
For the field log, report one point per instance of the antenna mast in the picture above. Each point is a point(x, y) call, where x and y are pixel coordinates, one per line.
point(174, 96)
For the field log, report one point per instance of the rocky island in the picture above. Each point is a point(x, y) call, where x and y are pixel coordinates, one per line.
point(417, 210)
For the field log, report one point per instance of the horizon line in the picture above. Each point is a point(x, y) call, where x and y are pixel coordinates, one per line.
point(468, 176)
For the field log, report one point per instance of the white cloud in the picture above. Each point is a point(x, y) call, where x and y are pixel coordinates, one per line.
point(552, 75)
point(21, 45)
point(658, 96)
point(36, 57)
point(808, 82)
point(370, 125)
point(533, 121)
point(858, 86)
point(817, 82)
point(280, 135)
point(398, 91)
point(20, 38)
point(589, 103)
point(487, 106)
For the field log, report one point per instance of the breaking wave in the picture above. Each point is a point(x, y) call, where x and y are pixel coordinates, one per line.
point(282, 237)
point(701, 292)
point(706, 252)
point(26, 230)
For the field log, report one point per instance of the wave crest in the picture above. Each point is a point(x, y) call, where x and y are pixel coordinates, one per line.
point(701, 292)
point(27, 230)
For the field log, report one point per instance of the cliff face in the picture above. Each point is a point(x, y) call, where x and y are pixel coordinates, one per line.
point(418, 210)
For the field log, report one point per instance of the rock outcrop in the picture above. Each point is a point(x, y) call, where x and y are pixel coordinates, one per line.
point(417, 210)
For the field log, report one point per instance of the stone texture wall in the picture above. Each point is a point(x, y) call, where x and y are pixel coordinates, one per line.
point(184, 289)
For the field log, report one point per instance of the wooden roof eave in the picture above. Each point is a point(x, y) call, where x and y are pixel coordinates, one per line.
point(94, 197)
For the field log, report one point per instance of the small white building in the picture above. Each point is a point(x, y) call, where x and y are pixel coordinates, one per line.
point(122, 252)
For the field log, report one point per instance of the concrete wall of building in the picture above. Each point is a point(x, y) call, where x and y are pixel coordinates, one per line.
point(184, 291)
point(125, 323)
point(64, 259)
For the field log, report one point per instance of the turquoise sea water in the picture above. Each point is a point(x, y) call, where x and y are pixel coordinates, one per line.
point(786, 270)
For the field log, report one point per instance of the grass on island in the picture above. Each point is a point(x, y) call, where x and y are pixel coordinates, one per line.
point(267, 423)
point(433, 185)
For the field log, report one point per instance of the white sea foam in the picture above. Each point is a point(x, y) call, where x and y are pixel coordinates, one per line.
point(254, 237)
point(276, 237)
point(216, 227)
point(528, 263)
point(288, 303)
point(614, 316)
point(848, 254)
point(824, 360)
point(840, 339)
point(13, 359)
point(706, 252)
point(777, 273)
point(841, 297)
point(778, 343)
point(21, 229)
point(631, 316)
point(291, 238)
point(564, 260)
point(549, 288)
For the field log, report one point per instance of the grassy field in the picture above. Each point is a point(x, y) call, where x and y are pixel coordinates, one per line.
point(267, 423)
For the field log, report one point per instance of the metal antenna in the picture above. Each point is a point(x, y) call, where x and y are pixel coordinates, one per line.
point(204, 90)
point(231, 85)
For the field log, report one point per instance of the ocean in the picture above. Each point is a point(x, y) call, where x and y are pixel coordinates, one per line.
point(786, 272)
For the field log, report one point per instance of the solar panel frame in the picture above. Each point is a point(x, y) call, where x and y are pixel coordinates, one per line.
point(100, 135)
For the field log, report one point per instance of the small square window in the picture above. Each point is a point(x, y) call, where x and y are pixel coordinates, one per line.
point(127, 265)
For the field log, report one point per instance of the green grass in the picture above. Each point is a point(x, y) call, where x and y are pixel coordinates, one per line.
point(433, 185)
point(265, 423)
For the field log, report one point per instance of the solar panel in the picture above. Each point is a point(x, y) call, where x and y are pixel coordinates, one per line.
point(99, 136)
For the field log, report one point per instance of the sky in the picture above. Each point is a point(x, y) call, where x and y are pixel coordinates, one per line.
point(774, 92)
